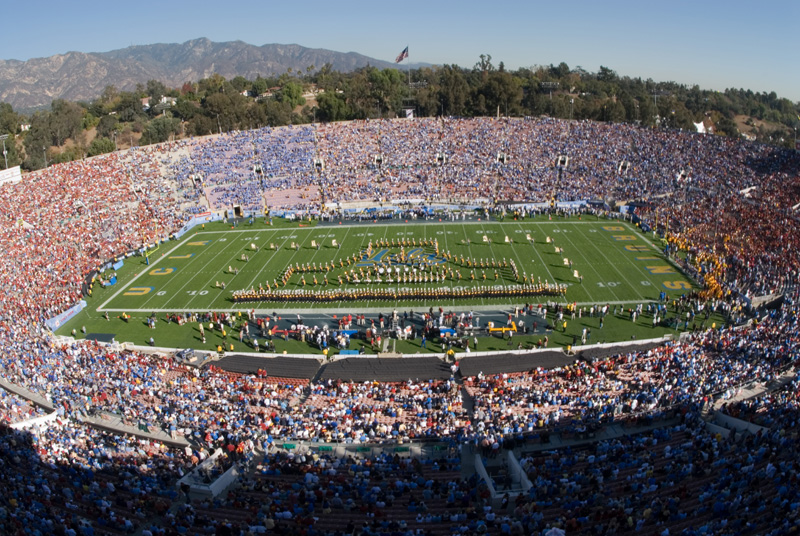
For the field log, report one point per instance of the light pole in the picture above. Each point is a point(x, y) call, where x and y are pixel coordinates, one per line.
point(571, 102)
point(115, 141)
point(5, 153)
point(656, 94)
point(44, 151)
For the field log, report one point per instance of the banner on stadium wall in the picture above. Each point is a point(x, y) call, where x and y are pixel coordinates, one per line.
point(559, 204)
point(199, 219)
point(59, 320)
point(11, 175)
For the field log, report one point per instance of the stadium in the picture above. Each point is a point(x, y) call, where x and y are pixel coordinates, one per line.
point(397, 327)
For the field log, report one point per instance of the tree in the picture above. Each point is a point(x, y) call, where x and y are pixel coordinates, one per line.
point(259, 86)
point(159, 130)
point(240, 83)
point(454, 90)
point(212, 84)
point(67, 155)
point(89, 120)
point(615, 111)
point(128, 107)
point(484, 65)
point(226, 110)
point(12, 153)
point(37, 141)
point(155, 89)
point(109, 95)
point(499, 90)
point(387, 88)
point(255, 116)
point(185, 108)
point(201, 125)
point(100, 146)
point(64, 121)
point(9, 124)
point(725, 126)
point(606, 75)
point(561, 71)
point(107, 126)
point(277, 113)
point(332, 106)
point(9, 119)
point(427, 101)
point(292, 94)
point(358, 97)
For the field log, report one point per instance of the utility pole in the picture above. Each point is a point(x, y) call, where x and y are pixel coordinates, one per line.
point(5, 153)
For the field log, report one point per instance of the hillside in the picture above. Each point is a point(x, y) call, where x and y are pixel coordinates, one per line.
point(79, 76)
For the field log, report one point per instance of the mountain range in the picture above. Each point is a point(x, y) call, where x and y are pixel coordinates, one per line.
point(76, 76)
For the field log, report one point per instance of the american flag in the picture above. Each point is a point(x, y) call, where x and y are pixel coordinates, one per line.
point(403, 55)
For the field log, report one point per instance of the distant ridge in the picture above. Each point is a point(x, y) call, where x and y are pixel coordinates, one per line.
point(82, 76)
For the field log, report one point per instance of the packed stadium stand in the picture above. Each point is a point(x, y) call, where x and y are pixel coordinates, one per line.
point(695, 437)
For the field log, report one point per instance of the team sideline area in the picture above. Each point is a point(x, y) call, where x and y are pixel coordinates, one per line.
point(693, 434)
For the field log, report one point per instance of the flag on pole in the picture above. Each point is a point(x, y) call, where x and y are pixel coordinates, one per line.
point(403, 55)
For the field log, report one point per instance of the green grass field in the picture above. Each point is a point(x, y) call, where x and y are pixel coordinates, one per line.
point(618, 263)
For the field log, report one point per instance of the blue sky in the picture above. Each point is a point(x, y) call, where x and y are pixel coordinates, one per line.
point(713, 44)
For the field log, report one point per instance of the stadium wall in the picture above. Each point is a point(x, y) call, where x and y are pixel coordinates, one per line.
point(11, 176)
point(35, 422)
point(200, 219)
point(58, 320)
point(732, 423)
point(211, 489)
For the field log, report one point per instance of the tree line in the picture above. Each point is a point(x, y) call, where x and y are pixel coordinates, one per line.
point(154, 113)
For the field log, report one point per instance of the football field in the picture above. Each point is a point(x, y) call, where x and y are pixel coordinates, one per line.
point(469, 263)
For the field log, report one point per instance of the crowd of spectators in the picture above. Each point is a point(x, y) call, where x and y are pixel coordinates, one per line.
point(724, 199)
point(775, 410)
point(585, 395)
point(250, 169)
point(61, 223)
point(14, 409)
point(70, 478)
point(683, 479)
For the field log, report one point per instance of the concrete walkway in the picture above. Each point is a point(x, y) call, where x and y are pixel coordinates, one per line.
point(26, 394)
point(114, 423)
point(756, 389)
point(104, 420)
point(607, 432)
